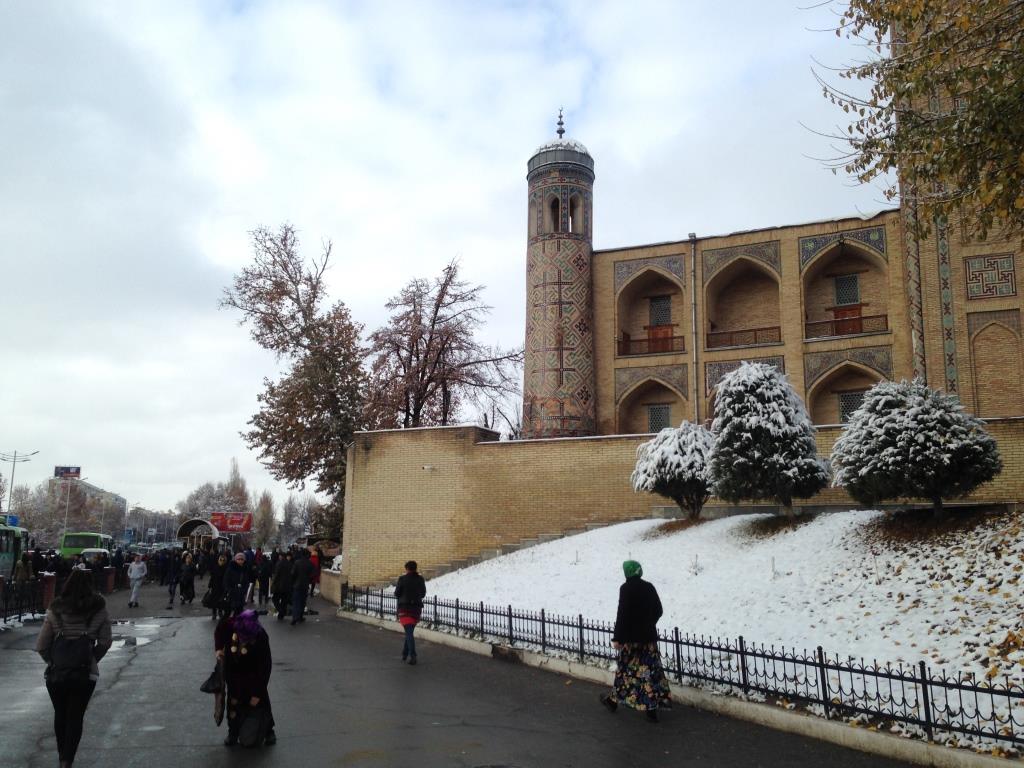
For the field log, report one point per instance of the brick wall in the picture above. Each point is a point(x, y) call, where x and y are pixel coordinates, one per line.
point(750, 299)
point(443, 494)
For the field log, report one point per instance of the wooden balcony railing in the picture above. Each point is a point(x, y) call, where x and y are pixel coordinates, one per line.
point(663, 345)
point(848, 326)
point(746, 338)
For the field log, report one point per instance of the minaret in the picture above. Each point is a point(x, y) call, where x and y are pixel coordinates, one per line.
point(559, 386)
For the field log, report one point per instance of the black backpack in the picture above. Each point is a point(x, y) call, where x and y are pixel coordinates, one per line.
point(71, 657)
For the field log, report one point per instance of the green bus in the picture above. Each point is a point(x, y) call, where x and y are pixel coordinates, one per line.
point(73, 543)
point(13, 542)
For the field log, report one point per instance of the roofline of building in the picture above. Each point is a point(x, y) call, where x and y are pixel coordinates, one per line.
point(870, 217)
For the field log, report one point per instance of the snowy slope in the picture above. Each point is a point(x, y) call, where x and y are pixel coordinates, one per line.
point(957, 604)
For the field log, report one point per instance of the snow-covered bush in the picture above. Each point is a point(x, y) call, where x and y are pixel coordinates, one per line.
point(910, 441)
point(764, 441)
point(675, 464)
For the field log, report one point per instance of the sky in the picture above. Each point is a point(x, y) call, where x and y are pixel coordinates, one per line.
point(142, 142)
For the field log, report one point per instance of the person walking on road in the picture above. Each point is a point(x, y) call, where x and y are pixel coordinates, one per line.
point(236, 583)
point(72, 667)
point(136, 575)
point(173, 576)
point(264, 570)
point(216, 586)
point(314, 560)
point(188, 579)
point(302, 573)
point(243, 648)
point(409, 593)
point(640, 680)
point(282, 584)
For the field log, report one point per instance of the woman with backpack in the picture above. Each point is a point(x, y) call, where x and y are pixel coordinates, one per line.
point(74, 637)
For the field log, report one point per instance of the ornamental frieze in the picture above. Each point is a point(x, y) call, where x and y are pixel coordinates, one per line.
point(624, 270)
point(816, 364)
point(766, 253)
point(872, 238)
point(671, 375)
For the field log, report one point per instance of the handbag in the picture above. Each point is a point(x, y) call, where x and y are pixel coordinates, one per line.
point(215, 682)
point(207, 600)
point(254, 726)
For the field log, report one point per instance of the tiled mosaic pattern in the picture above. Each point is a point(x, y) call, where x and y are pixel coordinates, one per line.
point(766, 253)
point(624, 270)
point(915, 305)
point(870, 237)
point(990, 277)
point(674, 376)
point(817, 364)
point(946, 306)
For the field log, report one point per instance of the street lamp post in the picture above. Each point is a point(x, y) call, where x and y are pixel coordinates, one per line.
point(15, 460)
point(67, 503)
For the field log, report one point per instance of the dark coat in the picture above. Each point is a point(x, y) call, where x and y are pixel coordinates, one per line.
point(90, 619)
point(639, 610)
point(282, 581)
point(216, 583)
point(302, 572)
point(246, 674)
point(236, 580)
point(410, 590)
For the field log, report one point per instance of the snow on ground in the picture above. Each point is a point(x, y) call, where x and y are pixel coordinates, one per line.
point(956, 603)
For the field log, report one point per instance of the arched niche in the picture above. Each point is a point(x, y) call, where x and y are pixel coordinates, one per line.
point(650, 314)
point(742, 305)
point(997, 366)
point(839, 392)
point(634, 413)
point(846, 292)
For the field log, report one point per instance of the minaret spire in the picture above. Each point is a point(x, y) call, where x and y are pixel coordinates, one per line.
point(561, 125)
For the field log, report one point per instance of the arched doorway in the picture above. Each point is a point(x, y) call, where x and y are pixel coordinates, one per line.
point(839, 393)
point(846, 293)
point(649, 407)
point(996, 359)
point(742, 301)
point(650, 314)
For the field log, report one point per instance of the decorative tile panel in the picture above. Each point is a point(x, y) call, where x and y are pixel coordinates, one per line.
point(990, 277)
point(872, 238)
point(674, 376)
point(765, 253)
point(946, 306)
point(624, 270)
point(713, 372)
point(915, 304)
point(816, 364)
point(978, 320)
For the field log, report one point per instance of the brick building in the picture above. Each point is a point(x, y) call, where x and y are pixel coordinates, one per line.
point(630, 340)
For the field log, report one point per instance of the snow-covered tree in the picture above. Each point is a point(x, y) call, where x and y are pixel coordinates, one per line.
point(264, 521)
point(764, 441)
point(676, 464)
point(910, 441)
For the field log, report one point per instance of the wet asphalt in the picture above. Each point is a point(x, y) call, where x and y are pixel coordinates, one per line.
point(342, 697)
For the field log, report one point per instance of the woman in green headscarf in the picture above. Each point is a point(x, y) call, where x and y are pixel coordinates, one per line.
point(640, 680)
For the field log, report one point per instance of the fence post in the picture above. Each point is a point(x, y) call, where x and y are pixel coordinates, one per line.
point(581, 637)
point(679, 660)
point(343, 599)
point(481, 619)
point(743, 664)
point(456, 615)
point(543, 634)
point(382, 603)
point(511, 633)
point(826, 697)
point(926, 699)
point(435, 612)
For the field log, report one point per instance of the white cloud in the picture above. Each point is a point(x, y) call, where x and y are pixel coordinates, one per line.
point(144, 140)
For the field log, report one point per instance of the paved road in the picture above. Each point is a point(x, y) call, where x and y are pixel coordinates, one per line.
point(341, 697)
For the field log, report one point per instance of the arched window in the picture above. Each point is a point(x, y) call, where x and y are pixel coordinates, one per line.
point(576, 214)
point(554, 214)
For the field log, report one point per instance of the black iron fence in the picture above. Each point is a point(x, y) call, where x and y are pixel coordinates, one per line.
point(912, 696)
point(19, 601)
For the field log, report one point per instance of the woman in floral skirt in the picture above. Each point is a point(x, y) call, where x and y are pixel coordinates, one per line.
point(640, 680)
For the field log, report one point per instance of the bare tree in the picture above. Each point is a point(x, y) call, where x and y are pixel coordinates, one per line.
point(427, 360)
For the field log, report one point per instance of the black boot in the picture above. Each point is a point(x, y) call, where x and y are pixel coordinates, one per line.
point(609, 703)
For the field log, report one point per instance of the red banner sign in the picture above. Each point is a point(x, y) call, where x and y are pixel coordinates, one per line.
point(232, 522)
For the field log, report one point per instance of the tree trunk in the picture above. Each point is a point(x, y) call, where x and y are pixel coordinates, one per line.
point(786, 507)
point(938, 511)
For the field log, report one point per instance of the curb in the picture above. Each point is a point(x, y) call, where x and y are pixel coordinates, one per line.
point(861, 739)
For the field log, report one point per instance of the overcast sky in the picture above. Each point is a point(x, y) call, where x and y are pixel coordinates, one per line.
point(141, 141)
